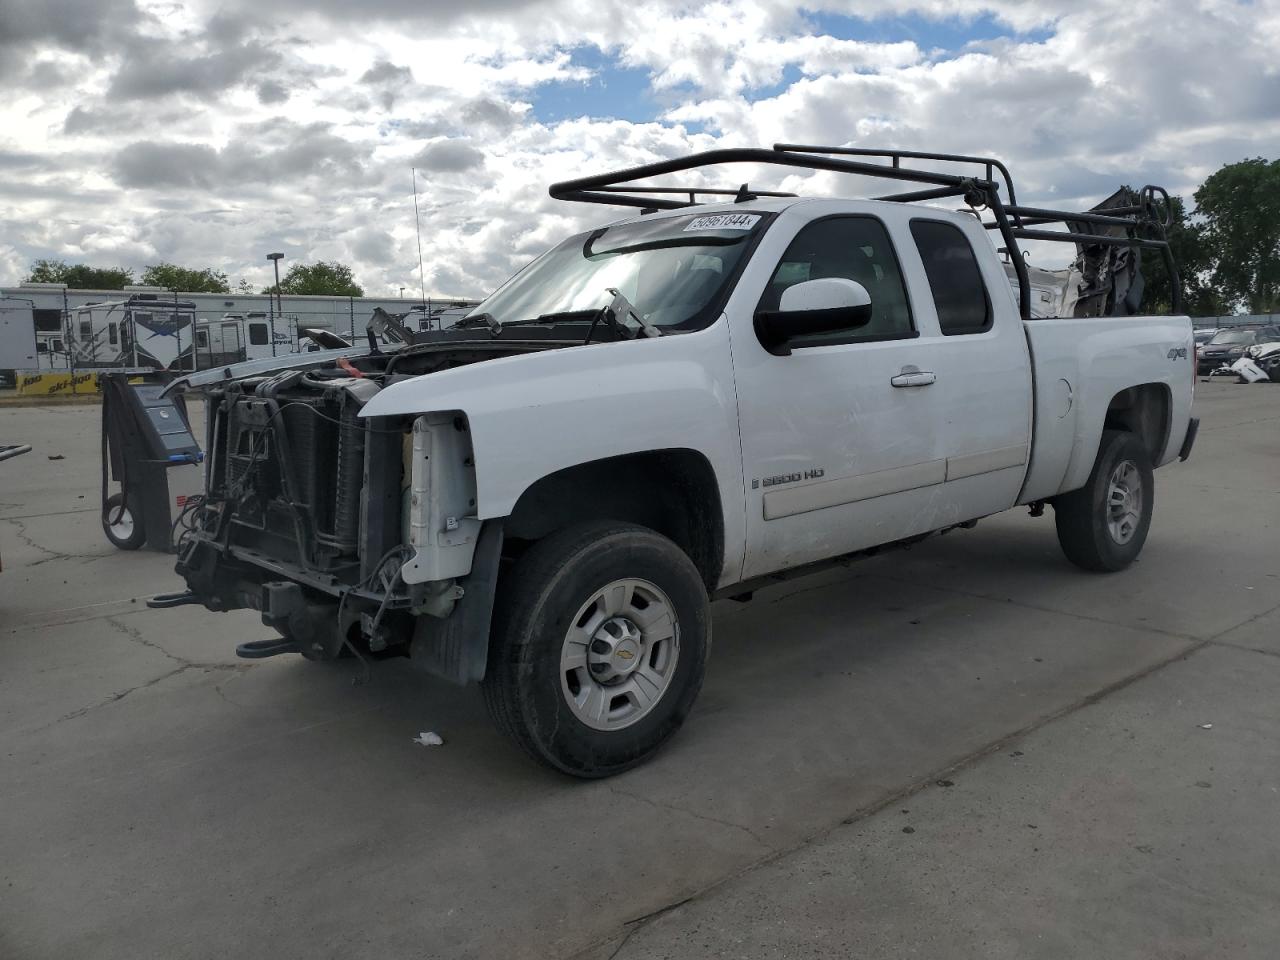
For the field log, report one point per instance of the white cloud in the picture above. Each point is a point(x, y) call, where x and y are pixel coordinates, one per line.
point(206, 134)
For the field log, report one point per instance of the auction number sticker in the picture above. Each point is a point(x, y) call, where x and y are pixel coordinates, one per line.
point(724, 221)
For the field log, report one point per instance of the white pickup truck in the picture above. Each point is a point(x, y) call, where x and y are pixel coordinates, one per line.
point(670, 409)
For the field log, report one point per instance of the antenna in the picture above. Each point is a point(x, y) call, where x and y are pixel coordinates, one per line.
point(422, 278)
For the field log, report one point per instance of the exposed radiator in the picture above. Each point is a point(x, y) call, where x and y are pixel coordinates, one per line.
point(349, 476)
point(325, 441)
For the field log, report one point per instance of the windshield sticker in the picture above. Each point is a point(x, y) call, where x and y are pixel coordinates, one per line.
point(724, 221)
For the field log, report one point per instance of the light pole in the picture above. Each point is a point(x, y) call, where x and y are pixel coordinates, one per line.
point(275, 259)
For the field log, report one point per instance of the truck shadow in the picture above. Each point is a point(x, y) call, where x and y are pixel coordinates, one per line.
point(770, 653)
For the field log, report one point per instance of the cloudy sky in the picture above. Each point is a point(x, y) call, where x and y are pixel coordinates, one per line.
point(210, 132)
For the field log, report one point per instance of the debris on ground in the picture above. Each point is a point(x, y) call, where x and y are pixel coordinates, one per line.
point(56, 456)
point(1206, 726)
point(429, 739)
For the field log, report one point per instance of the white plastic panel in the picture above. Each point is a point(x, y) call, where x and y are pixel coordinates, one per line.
point(442, 500)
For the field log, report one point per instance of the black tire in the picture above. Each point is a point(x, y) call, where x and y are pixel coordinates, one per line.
point(125, 531)
point(1082, 516)
point(525, 688)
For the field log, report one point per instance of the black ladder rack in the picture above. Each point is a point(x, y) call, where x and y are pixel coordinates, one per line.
point(1143, 223)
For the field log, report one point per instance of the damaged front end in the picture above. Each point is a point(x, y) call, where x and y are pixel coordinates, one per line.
point(346, 532)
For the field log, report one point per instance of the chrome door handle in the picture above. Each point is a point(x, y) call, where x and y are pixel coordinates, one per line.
point(913, 377)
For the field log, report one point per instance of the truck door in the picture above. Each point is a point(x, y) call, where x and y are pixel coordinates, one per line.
point(982, 366)
point(841, 441)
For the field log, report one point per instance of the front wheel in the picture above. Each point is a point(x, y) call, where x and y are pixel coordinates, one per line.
point(599, 648)
point(1103, 525)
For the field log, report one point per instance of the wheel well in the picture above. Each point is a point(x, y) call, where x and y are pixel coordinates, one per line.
point(1143, 411)
point(671, 491)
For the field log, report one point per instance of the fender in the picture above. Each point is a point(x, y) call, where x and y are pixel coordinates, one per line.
point(534, 414)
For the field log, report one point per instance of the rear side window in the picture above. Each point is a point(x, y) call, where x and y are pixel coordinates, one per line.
point(954, 278)
point(853, 248)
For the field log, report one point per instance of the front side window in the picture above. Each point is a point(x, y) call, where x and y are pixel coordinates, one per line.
point(672, 269)
point(258, 334)
point(851, 248)
point(954, 278)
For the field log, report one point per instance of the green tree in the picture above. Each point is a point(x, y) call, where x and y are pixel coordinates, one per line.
point(79, 276)
point(319, 279)
point(172, 277)
point(1239, 207)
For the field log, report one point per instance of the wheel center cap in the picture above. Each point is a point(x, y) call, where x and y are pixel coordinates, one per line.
point(615, 650)
point(626, 655)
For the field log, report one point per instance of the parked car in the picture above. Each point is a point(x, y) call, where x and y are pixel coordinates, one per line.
point(1204, 334)
point(1230, 343)
point(674, 407)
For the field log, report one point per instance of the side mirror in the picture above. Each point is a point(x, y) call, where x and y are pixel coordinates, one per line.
point(814, 306)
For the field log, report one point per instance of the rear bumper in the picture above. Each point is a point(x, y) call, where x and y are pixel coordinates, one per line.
point(1193, 427)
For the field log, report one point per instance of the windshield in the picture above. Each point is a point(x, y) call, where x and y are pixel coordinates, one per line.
point(1233, 337)
point(673, 271)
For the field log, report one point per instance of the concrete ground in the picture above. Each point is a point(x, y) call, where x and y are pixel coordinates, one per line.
point(966, 750)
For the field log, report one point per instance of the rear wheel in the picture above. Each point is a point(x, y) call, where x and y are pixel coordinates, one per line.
point(1102, 526)
point(599, 648)
point(122, 526)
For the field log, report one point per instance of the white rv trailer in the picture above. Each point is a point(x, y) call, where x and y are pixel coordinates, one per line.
point(238, 336)
point(144, 330)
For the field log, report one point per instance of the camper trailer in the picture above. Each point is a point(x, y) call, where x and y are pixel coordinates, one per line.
point(244, 336)
point(145, 330)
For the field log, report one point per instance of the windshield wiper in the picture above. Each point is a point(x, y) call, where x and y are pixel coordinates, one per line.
point(622, 307)
point(479, 320)
point(614, 315)
point(563, 316)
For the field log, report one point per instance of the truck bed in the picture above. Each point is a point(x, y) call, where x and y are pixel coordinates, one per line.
point(1080, 366)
